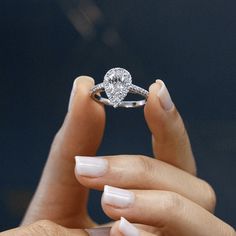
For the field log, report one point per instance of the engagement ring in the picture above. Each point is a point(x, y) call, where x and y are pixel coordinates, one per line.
point(117, 84)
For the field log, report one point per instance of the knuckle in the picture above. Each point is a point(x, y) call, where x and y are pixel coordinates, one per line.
point(145, 165)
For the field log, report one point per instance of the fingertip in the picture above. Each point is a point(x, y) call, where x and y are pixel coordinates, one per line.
point(158, 91)
point(156, 86)
point(153, 111)
point(83, 84)
point(84, 124)
point(153, 91)
point(153, 100)
point(127, 229)
point(115, 229)
point(80, 95)
point(123, 227)
point(159, 109)
point(85, 80)
point(81, 87)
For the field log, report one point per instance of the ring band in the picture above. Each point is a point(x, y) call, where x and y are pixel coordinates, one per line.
point(117, 84)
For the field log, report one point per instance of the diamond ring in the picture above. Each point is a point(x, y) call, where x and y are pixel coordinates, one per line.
point(117, 84)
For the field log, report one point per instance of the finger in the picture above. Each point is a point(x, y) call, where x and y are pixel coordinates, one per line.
point(125, 228)
point(59, 196)
point(44, 227)
point(170, 139)
point(165, 210)
point(141, 172)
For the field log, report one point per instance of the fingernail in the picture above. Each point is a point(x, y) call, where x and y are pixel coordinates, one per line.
point(164, 96)
point(102, 231)
point(91, 166)
point(127, 229)
point(72, 94)
point(117, 197)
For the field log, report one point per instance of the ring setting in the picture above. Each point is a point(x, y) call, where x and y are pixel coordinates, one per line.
point(117, 84)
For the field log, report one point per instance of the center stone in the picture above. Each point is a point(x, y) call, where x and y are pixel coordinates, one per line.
point(117, 82)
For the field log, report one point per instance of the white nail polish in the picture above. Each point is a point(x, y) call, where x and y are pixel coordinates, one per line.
point(91, 166)
point(117, 197)
point(127, 229)
point(164, 96)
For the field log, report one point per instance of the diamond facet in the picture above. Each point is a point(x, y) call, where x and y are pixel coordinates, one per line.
point(117, 82)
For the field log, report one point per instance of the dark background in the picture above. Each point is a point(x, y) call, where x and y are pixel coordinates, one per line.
point(44, 45)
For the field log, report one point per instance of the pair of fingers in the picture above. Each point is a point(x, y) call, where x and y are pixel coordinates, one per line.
point(152, 193)
point(61, 199)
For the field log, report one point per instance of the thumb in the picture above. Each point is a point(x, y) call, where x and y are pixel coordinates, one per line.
point(44, 227)
point(59, 196)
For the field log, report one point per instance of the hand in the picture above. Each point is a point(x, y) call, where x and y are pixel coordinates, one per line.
point(163, 193)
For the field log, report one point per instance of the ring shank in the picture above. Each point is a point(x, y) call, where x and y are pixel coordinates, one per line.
point(126, 104)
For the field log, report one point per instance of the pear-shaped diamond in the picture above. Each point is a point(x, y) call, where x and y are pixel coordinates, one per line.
point(117, 82)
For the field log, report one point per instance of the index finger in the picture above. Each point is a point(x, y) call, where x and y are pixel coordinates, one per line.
point(170, 139)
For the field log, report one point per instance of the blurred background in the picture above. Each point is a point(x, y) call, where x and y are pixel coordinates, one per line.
point(44, 45)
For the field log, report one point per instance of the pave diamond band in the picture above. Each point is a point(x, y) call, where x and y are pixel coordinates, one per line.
point(117, 84)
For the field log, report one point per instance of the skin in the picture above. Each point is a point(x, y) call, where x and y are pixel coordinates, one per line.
point(166, 200)
point(44, 227)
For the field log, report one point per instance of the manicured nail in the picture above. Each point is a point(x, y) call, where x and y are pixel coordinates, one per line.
point(127, 229)
point(117, 197)
point(164, 96)
point(91, 166)
point(72, 94)
point(101, 231)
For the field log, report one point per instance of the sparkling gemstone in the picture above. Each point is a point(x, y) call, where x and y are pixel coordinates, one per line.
point(117, 82)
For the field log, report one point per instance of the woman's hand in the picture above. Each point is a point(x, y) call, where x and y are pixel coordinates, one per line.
point(61, 199)
point(163, 193)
